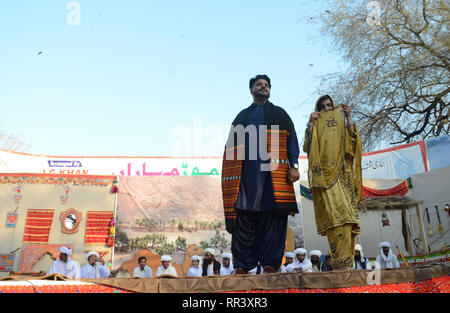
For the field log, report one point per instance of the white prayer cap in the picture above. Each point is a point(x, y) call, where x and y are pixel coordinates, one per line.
point(384, 244)
point(227, 255)
point(210, 250)
point(358, 247)
point(92, 253)
point(290, 255)
point(166, 257)
point(65, 250)
point(300, 251)
point(196, 258)
point(315, 252)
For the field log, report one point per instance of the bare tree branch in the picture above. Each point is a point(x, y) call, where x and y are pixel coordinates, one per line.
point(397, 81)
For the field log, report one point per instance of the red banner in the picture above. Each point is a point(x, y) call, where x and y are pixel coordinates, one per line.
point(37, 226)
point(97, 227)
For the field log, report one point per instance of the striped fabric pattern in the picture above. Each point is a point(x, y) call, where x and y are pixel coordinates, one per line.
point(37, 226)
point(284, 194)
point(231, 179)
point(97, 227)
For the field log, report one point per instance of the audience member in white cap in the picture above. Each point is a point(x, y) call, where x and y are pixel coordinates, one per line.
point(227, 264)
point(142, 270)
point(301, 262)
point(195, 270)
point(361, 262)
point(314, 255)
point(289, 256)
point(166, 268)
point(65, 265)
point(386, 259)
point(96, 267)
point(210, 265)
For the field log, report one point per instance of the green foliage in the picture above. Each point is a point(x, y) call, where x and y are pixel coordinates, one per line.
point(218, 241)
point(204, 244)
point(181, 243)
point(148, 241)
point(166, 248)
point(121, 238)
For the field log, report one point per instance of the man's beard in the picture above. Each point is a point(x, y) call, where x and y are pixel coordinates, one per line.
point(358, 258)
point(208, 261)
point(315, 262)
point(262, 95)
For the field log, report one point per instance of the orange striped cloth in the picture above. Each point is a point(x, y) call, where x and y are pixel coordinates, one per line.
point(231, 179)
point(97, 227)
point(37, 226)
point(283, 192)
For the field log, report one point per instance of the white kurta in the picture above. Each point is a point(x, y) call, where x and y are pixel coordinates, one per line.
point(147, 272)
point(210, 269)
point(194, 271)
point(255, 270)
point(359, 264)
point(306, 266)
point(169, 271)
point(391, 263)
point(70, 268)
point(227, 270)
point(96, 271)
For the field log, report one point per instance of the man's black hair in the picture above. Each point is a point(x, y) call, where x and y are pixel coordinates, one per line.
point(142, 258)
point(254, 79)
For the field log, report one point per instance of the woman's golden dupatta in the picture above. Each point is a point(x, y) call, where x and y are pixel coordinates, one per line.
point(327, 148)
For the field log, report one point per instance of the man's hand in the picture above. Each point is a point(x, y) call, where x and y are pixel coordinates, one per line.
point(101, 261)
point(293, 175)
point(299, 269)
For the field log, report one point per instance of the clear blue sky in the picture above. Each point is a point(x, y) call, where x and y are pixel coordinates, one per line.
point(119, 82)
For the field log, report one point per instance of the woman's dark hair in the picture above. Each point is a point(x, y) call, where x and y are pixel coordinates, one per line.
point(254, 79)
point(322, 99)
point(142, 258)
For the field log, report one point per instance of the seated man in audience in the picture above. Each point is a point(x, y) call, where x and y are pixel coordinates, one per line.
point(166, 268)
point(314, 256)
point(327, 265)
point(195, 270)
point(96, 267)
point(210, 265)
point(65, 266)
point(361, 262)
point(386, 259)
point(289, 256)
point(142, 270)
point(301, 263)
point(227, 264)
